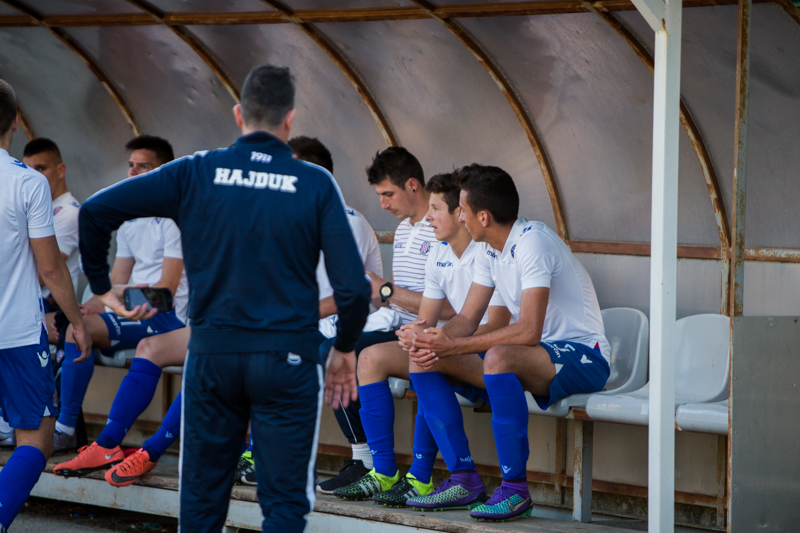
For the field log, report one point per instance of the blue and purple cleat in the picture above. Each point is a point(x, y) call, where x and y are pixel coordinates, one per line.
point(509, 501)
point(462, 490)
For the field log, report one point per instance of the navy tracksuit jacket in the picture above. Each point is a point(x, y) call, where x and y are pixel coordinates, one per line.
point(253, 221)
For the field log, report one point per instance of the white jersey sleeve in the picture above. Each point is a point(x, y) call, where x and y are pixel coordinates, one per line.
point(66, 228)
point(38, 208)
point(123, 247)
point(482, 274)
point(538, 260)
point(433, 285)
point(366, 241)
point(497, 300)
point(172, 239)
point(324, 284)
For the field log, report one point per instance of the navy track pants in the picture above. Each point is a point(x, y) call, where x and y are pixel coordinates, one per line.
point(281, 395)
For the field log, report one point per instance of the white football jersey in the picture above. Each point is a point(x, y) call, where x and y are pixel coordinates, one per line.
point(65, 222)
point(535, 256)
point(148, 241)
point(448, 276)
point(412, 246)
point(26, 212)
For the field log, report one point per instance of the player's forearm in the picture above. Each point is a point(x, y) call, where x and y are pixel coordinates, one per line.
point(515, 334)
point(460, 326)
point(407, 299)
point(59, 281)
point(327, 307)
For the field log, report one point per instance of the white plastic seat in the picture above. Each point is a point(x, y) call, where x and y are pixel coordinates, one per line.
point(398, 387)
point(701, 373)
point(628, 333)
point(703, 417)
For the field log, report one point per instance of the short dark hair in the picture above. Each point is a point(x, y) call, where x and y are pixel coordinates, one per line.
point(42, 144)
point(312, 150)
point(161, 147)
point(8, 106)
point(490, 189)
point(397, 164)
point(447, 185)
point(267, 96)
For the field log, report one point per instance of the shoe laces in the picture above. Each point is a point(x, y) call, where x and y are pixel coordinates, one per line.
point(446, 484)
point(500, 494)
point(348, 463)
point(84, 448)
point(134, 462)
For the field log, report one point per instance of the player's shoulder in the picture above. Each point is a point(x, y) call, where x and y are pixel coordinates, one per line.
point(441, 255)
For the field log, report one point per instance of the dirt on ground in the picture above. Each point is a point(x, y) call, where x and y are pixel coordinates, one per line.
point(41, 515)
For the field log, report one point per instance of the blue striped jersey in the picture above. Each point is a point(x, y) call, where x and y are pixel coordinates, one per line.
point(412, 247)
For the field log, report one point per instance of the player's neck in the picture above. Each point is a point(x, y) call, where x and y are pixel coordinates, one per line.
point(420, 207)
point(5, 141)
point(497, 236)
point(60, 190)
point(460, 241)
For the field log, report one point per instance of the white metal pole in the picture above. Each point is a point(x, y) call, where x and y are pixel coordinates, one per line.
point(663, 271)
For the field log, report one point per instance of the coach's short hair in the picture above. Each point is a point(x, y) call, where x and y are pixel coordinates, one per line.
point(161, 147)
point(8, 106)
point(447, 185)
point(312, 150)
point(490, 189)
point(40, 145)
point(397, 164)
point(267, 96)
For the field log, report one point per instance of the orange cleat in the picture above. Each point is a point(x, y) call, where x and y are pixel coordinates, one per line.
point(90, 458)
point(132, 468)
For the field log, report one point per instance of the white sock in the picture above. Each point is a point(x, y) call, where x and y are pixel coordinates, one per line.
point(4, 427)
point(65, 429)
point(361, 453)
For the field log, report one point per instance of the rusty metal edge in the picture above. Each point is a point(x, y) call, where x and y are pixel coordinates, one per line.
point(196, 46)
point(344, 66)
point(24, 122)
point(75, 47)
point(791, 9)
point(517, 105)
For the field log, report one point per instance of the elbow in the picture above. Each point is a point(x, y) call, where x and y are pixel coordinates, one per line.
point(51, 274)
point(531, 337)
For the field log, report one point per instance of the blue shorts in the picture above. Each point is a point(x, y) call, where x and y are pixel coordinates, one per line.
point(582, 370)
point(125, 334)
point(27, 387)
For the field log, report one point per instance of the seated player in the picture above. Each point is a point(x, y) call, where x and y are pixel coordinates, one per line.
point(148, 252)
point(311, 150)
point(399, 182)
point(448, 275)
point(555, 345)
point(134, 395)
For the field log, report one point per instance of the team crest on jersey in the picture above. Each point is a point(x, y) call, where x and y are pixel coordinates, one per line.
point(425, 248)
point(158, 220)
point(57, 210)
point(512, 250)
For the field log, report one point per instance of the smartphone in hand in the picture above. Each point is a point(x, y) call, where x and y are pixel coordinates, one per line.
point(159, 298)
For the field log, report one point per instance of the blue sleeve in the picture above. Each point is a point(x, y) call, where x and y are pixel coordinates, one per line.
point(155, 194)
point(351, 290)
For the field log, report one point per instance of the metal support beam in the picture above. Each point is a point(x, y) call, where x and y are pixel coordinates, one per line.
point(791, 9)
point(25, 123)
point(195, 44)
point(75, 47)
point(663, 262)
point(582, 480)
point(517, 105)
point(740, 158)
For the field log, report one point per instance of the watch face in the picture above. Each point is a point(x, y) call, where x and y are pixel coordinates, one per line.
point(386, 291)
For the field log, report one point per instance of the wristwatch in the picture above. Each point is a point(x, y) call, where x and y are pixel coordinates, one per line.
point(386, 291)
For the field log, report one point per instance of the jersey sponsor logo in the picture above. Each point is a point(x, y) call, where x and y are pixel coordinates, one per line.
point(260, 157)
point(491, 254)
point(74, 204)
point(513, 248)
point(425, 248)
point(57, 210)
point(398, 245)
point(255, 180)
point(444, 264)
point(467, 459)
point(585, 360)
point(506, 469)
point(293, 359)
point(18, 163)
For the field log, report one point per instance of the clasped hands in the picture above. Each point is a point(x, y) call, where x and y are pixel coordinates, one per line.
point(425, 346)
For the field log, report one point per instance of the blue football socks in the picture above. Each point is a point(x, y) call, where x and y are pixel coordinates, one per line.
point(424, 448)
point(377, 416)
point(443, 414)
point(168, 433)
point(509, 423)
point(75, 379)
point(17, 478)
point(134, 395)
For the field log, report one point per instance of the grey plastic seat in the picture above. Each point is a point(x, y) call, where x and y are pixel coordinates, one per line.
point(701, 373)
point(628, 333)
point(400, 386)
point(703, 417)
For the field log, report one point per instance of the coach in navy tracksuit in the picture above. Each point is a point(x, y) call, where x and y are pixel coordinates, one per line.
point(253, 221)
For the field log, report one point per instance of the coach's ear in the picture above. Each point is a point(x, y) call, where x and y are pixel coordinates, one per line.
point(237, 114)
point(288, 120)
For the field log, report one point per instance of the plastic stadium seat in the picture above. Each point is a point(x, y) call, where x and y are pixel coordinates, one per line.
point(628, 333)
point(398, 387)
point(701, 373)
point(704, 417)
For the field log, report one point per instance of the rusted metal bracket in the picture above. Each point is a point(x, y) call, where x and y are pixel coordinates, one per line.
point(517, 105)
point(25, 123)
point(75, 47)
point(195, 44)
point(792, 9)
point(347, 69)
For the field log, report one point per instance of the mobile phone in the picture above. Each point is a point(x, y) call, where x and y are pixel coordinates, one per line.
point(159, 298)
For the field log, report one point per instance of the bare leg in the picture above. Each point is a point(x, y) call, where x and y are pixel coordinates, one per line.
point(97, 330)
point(531, 364)
point(41, 438)
point(52, 333)
point(381, 361)
point(465, 368)
point(167, 349)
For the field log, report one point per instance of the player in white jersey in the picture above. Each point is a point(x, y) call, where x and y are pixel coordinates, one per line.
point(555, 345)
point(448, 275)
point(28, 248)
point(148, 253)
point(43, 156)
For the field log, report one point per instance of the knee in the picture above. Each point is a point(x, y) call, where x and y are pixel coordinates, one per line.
point(146, 349)
point(495, 361)
point(368, 366)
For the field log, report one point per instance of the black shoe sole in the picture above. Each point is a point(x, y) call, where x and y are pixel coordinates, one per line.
point(83, 471)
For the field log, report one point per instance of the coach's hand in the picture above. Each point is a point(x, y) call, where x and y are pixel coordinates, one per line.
point(340, 379)
point(83, 341)
point(115, 300)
